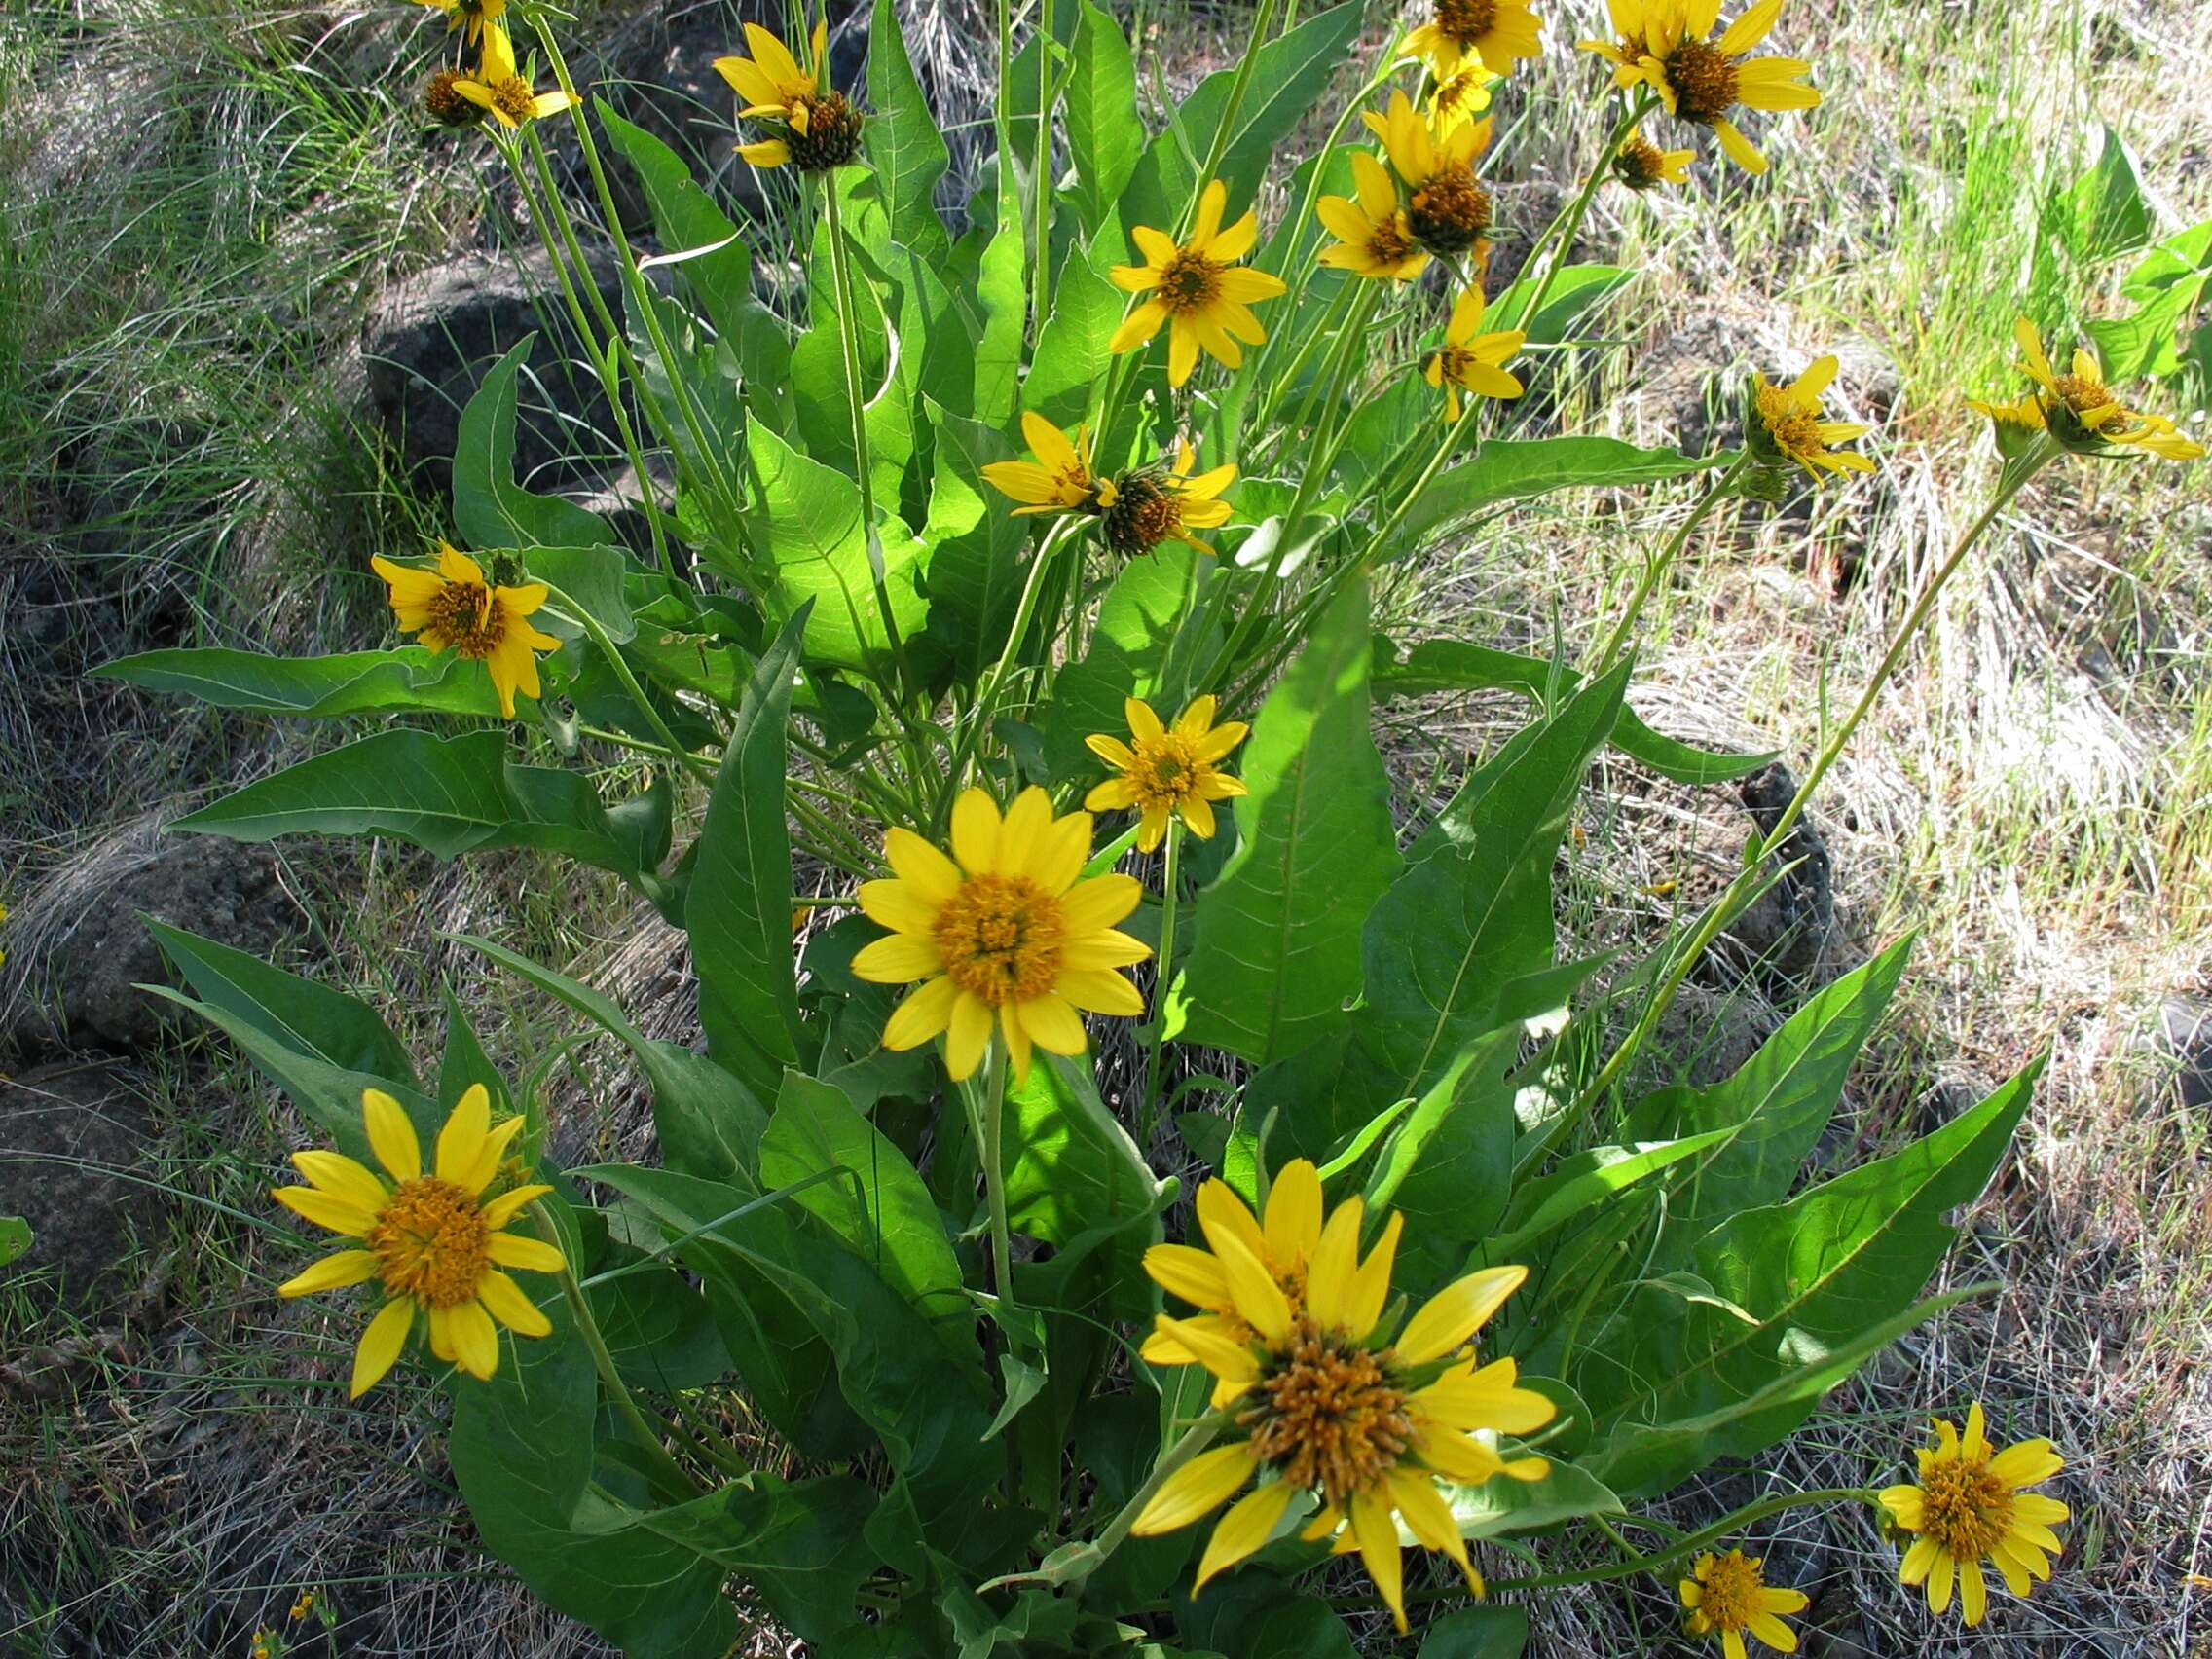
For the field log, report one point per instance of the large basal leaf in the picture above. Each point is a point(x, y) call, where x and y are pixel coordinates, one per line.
point(737, 910)
point(1502, 1507)
point(1507, 469)
point(1456, 665)
point(447, 794)
point(904, 144)
point(1105, 136)
point(1071, 349)
point(1003, 287)
point(790, 1541)
point(321, 688)
point(973, 575)
point(807, 520)
point(1477, 1633)
point(1788, 1285)
point(1577, 290)
point(1074, 1170)
point(1275, 958)
point(522, 1448)
point(1448, 1165)
point(2107, 211)
point(490, 508)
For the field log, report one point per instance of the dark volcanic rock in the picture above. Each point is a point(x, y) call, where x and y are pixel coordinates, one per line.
point(73, 1164)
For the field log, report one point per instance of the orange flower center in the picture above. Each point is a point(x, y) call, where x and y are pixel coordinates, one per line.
point(1143, 515)
point(1733, 1590)
point(468, 615)
point(446, 105)
point(1965, 1508)
point(1640, 164)
point(2083, 394)
point(1167, 769)
point(1189, 282)
point(431, 1242)
point(1466, 20)
point(1450, 211)
point(1001, 938)
point(1390, 241)
point(512, 97)
point(1329, 1415)
point(1704, 80)
point(1794, 428)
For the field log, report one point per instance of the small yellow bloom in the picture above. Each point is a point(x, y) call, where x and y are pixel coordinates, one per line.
point(1498, 32)
point(1167, 769)
point(1460, 97)
point(498, 87)
point(1165, 503)
point(819, 128)
point(1004, 933)
point(1642, 164)
point(1470, 360)
point(1197, 288)
point(1663, 45)
point(469, 15)
point(2080, 411)
point(1448, 209)
point(1058, 481)
point(1728, 1595)
point(455, 608)
point(1971, 1505)
point(1373, 235)
point(1786, 424)
point(432, 1241)
point(302, 1606)
point(1290, 1333)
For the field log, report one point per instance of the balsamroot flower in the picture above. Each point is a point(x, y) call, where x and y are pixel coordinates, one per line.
point(1058, 481)
point(1010, 936)
point(1470, 360)
point(1165, 503)
point(1663, 44)
point(1971, 1506)
point(1325, 1402)
point(1447, 210)
point(1498, 32)
point(816, 128)
point(1785, 424)
point(432, 1241)
point(469, 16)
point(498, 85)
point(1728, 1595)
point(1460, 98)
point(1373, 235)
point(2081, 413)
point(454, 608)
point(1167, 769)
point(445, 103)
point(1197, 288)
point(1642, 164)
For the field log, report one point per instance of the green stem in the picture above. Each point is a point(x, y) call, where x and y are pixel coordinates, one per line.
point(1161, 980)
point(987, 693)
point(993, 1141)
point(590, 624)
point(1657, 565)
point(1570, 222)
point(1041, 178)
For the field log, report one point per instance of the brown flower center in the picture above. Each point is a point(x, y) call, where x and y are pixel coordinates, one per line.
point(431, 1242)
point(2082, 394)
point(470, 617)
point(1465, 21)
point(1390, 241)
point(441, 96)
point(1167, 769)
point(1144, 514)
point(1640, 164)
point(1001, 938)
point(1794, 428)
point(833, 135)
point(1704, 80)
point(1965, 1508)
point(1732, 1593)
point(1189, 282)
point(512, 97)
point(1461, 89)
point(1329, 1415)
point(1450, 211)
point(1453, 362)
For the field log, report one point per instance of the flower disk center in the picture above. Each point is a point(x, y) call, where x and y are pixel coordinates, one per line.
point(1465, 21)
point(1450, 212)
point(1189, 282)
point(830, 135)
point(1392, 240)
point(431, 1242)
point(1965, 1508)
point(1142, 516)
point(1329, 1415)
point(2082, 393)
point(468, 614)
point(511, 97)
point(1167, 771)
point(1704, 80)
point(1732, 1592)
point(1640, 164)
point(1001, 938)
point(1794, 428)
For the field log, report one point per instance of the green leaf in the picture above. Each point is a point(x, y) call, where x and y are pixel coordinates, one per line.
point(447, 794)
point(1454, 665)
point(1105, 135)
point(875, 1201)
point(737, 911)
point(14, 1239)
point(490, 508)
point(594, 579)
point(351, 683)
point(808, 522)
point(1502, 1507)
point(1003, 287)
point(973, 577)
point(1582, 1183)
point(791, 1542)
point(522, 1450)
point(1508, 470)
point(903, 143)
point(1449, 1165)
point(1579, 290)
point(464, 1062)
point(2108, 211)
point(1274, 957)
point(1074, 1170)
point(1071, 349)
point(1477, 1633)
point(657, 1326)
point(2166, 285)
point(1153, 613)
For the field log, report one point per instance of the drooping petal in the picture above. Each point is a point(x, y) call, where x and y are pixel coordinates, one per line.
point(1099, 990)
point(924, 1014)
point(505, 1299)
point(332, 1272)
point(1250, 1522)
point(1378, 1536)
point(1196, 1490)
point(475, 1341)
point(1052, 1024)
point(967, 1034)
point(380, 1344)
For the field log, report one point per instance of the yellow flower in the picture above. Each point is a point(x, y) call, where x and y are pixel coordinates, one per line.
point(1498, 32)
point(432, 1241)
point(1009, 935)
point(1373, 237)
point(469, 15)
point(1786, 424)
point(1969, 1507)
point(1158, 503)
point(455, 608)
point(1642, 164)
point(2080, 411)
point(1471, 359)
point(1197, 288)
point(1729, 1595)
point(1447, 210)
point(821, 128)
point(1058, 481)
point(1368, 1426)
point(1699, 80)
point(1460, 97)
point(1167, 769)
point(498, 87)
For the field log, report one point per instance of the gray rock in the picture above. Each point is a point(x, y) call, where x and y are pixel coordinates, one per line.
point(78, 945)
point(74, 1165)
point(1786, 933)
point(2180, 1040)
point(430, 339)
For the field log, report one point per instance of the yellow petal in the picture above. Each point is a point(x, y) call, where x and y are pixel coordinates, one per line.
point(315, 1205)
point(1329, 1276)
point(342, 1178)
point(1196, 1276)
point(924, 1014)
point(380, 1344)
point(1371, 1284)
point(332, 1272)
point(1250, 1522)
point(461, 1139)
point(898, 906)
point(1378, 1536)
point(391, 1135)
point(1260, 1301)
point(1456, 1312)
point(1293, 1224)
point(504, 1301)
point(1052, 1024)
point(530, 1255)
point(899, 959)
point(509, 1205)
point(1196, 1490)
point(967, 1034)
point(1222, 1215)
point(913, 861)
point(1099, 903)
point(1223, 1355)
point(976, 832)
point(475, 1339)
